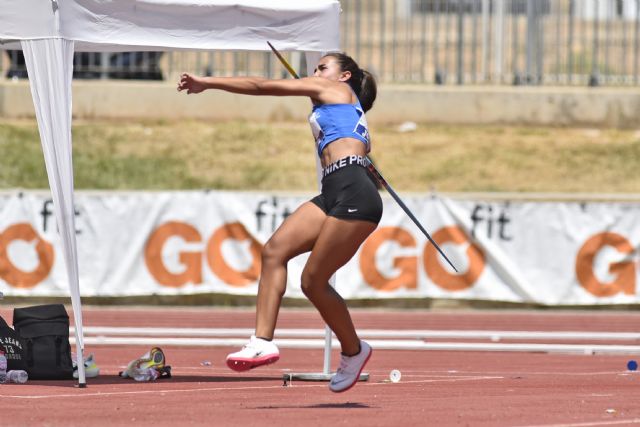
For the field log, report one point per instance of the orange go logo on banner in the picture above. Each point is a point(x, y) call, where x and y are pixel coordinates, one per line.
point(408, 265)
point(624, 271)
point(13, 275)
point(192, 260)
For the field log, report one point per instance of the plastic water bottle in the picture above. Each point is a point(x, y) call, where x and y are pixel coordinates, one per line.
point(3, 367)
point(145, 374)
point(17, 377)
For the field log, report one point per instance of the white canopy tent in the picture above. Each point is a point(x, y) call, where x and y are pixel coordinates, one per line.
point(50, 31)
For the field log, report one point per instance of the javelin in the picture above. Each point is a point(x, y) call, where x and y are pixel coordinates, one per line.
point(284, 62)
point(376, 173)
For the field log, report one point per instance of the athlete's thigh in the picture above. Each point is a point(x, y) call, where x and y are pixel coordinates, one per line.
point(299, 231)
point(336, 244)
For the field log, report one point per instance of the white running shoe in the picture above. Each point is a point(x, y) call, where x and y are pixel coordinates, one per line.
point(350, 369)
point(256, 353)
point(91, 370)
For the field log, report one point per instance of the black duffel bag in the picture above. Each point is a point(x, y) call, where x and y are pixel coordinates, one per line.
point(12, 346)
point(44, 331)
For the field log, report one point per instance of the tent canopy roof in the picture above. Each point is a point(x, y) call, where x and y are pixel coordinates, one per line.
point(125, 25)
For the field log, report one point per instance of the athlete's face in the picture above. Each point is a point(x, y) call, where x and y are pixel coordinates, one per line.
point(329, 68)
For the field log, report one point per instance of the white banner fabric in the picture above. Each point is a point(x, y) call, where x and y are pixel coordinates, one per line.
point(144, 243)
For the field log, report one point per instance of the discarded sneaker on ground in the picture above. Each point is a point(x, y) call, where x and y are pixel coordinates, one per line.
point(91, 369)
point(154, 359)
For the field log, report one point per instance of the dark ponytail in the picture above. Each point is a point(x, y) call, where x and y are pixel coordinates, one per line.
point(362, 82)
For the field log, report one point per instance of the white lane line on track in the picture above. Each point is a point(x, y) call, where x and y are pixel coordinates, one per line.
point(365, 333)
point(219, 367)
point(391, 344)
point(529, 373)
point(589, 424)
point(387, 339)
point(294, 384)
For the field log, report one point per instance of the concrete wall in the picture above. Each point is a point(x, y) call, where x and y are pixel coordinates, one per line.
point(552, 106)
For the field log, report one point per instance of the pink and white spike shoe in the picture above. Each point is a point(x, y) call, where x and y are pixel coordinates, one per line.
point(256, 353)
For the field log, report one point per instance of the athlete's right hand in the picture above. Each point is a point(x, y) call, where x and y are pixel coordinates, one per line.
point(190, 83)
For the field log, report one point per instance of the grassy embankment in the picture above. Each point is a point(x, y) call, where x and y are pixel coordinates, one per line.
point(279, 156)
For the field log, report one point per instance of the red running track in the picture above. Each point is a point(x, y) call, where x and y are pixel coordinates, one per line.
point(438, 388)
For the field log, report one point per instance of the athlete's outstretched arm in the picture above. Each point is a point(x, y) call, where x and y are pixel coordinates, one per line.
point(308, 86)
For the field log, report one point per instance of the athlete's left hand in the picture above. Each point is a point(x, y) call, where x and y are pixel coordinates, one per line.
point(190, 83)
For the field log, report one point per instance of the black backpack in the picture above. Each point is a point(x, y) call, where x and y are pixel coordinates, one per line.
point(44, 331)
point(12, 346)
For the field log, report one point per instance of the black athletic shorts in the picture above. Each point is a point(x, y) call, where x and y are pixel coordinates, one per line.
point(348, 192)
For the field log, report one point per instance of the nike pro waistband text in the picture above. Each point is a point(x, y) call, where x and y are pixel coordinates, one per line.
point(346, 161)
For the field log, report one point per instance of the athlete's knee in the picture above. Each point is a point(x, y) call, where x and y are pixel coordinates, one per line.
point(274, 253)
point(308, 288)
point(312, 282)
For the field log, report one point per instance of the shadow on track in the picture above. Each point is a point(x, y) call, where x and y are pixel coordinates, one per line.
point(175, 379)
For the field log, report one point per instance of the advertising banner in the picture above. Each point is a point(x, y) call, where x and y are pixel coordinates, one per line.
point(143, 243)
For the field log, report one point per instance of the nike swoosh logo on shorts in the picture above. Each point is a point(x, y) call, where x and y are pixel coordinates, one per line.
point(351, 210)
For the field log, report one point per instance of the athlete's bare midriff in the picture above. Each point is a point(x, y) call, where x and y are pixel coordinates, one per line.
point(340, 148)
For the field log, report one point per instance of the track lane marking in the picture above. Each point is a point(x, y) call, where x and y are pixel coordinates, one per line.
point(590, 423)
point(197, 390)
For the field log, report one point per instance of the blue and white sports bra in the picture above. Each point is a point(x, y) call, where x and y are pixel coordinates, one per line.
point(334, 121)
